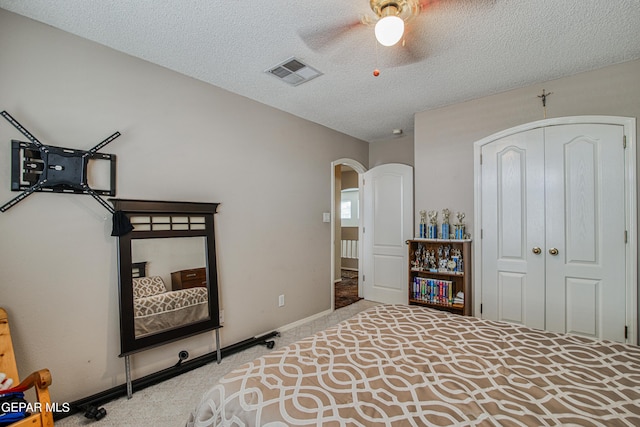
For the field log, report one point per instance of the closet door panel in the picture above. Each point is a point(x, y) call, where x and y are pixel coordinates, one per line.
point(583, 306)
point(512, 291)
point(512, 215)
point(512, 225)
point(581, 201)
point(585, 224)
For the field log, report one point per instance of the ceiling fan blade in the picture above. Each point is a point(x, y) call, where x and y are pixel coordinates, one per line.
point(417, 42)
point(322, 39)
point(425, 5)
point(401, 56)
point(408, 51)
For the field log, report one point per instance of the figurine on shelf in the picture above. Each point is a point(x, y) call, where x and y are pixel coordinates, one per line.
point(433, 225)
point(454, 263)
point(456, 254)
point(416, 263)
point(423, 224)
point(445, 223)
point(432, 260)
point(460, 226)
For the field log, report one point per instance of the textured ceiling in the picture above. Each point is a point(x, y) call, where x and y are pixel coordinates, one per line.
point(460, 49)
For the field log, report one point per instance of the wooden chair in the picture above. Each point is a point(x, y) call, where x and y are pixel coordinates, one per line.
point(40, 380)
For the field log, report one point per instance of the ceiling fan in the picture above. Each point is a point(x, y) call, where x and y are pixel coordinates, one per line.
point(388, 19)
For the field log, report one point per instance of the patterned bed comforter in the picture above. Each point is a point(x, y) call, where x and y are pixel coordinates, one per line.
point(395, 365)
point(169, 310)
point(169, 301)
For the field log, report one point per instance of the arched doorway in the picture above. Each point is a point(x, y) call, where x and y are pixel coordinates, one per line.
point(337, 168)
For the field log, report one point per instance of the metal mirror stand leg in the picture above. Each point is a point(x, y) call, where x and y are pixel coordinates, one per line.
point(127, 370)
point(127, 365)
point(218, 353)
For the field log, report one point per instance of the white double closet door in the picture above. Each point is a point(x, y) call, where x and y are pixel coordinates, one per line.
point(553, 229)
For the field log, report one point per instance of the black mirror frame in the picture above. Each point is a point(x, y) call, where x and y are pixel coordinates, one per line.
point(129, 344)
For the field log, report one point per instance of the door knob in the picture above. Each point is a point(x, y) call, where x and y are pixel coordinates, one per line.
point(553, 251)
point(536, 250)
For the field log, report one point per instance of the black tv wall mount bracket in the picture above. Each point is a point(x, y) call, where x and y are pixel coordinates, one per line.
point(39, 167)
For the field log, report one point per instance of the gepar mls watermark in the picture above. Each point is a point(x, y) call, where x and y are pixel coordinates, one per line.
point(17, 407)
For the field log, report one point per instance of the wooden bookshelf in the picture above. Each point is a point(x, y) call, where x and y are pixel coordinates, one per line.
point(440, 269)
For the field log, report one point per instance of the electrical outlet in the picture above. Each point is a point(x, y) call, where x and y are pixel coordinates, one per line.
point(221, 316)
point(281, 301)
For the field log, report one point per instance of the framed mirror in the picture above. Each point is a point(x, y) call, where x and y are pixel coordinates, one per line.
point(168, 275)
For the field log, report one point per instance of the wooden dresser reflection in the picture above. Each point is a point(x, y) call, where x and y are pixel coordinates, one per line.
point(191, 278)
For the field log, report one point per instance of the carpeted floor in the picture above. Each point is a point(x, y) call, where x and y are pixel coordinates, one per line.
point(169, 403)
point(347, 289)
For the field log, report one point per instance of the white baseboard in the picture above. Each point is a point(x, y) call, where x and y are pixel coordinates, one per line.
point(303, 321)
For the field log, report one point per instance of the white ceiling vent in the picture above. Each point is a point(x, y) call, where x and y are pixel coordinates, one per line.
point(293, 71)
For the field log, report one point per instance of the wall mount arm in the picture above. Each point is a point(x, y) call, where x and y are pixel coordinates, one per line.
point(39, 167)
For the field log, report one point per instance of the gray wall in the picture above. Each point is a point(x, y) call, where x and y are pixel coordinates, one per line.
point(181, 140)
point(397, 149)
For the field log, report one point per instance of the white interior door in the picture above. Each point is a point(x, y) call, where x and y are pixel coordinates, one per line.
point(553, 229)
point(585, 230)
point(388, 224)
point(513, 229)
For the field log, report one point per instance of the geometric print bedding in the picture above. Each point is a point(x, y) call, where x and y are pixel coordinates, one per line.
point(148, 286)
point(400, 365)
point(169, 301)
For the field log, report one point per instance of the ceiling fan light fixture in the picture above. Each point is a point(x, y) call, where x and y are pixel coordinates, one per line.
point(389, 30)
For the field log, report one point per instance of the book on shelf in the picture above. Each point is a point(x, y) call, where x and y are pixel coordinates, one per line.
point(459, 299)
point(433, 291)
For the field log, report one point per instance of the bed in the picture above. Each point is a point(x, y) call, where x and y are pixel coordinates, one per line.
point(400, 365)
point(157, 309)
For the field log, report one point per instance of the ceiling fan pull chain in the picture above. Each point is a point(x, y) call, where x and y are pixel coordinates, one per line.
point(376, 71)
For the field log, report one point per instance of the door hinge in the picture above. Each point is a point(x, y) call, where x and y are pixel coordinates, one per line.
point(480, 308)
point(480, 158)
point(481, 233)
point(624, 141)
point(363, 229)
point(363, 278)
point(626, 332)
point(625, 236)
